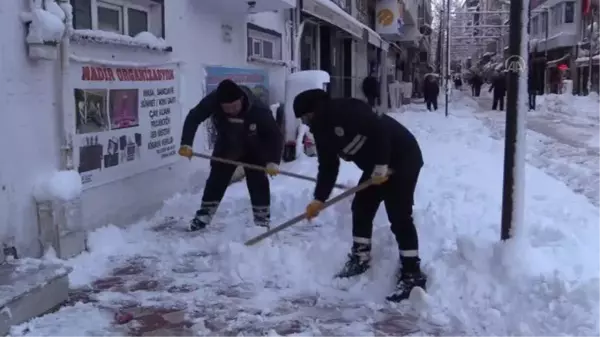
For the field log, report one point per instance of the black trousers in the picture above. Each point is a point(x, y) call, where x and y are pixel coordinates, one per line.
point(431, 103)
point(498, 102)
point(217, 183)
point(397, 195)
point(531, 101)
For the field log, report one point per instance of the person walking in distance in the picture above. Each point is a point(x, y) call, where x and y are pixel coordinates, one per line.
point(531, 90)
point(247, 132)
point(431, 90)
point(499, 88)
point(346, 128)
point(370, 88)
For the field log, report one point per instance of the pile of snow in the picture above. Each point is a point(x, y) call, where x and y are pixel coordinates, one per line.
point(61, 186)
point(143, 39)
point(544, 283)
point(45, 25)
point(577, 107)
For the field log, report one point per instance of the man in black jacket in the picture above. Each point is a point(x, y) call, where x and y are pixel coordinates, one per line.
point(499, 88)
point(247, 132)
point(370, 87)
point(431, 91)
point(347, 128)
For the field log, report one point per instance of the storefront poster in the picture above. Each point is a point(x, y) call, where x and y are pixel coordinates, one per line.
point(127, 120)
point(257, 80)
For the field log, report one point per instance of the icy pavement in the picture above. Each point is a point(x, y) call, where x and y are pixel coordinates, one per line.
point(562, 138)
point(154, 279)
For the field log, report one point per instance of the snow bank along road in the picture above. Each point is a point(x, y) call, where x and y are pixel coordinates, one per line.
point(562, 138)
point(172, 283)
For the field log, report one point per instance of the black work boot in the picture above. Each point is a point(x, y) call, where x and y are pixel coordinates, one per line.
point(409, 276)
point(262, 216)
point(358, 260)
point(200, 221)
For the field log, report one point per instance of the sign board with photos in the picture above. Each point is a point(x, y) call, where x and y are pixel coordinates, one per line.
point(127, 120)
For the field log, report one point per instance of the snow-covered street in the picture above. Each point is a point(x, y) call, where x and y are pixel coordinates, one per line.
point(562, 138)
point(175, 283)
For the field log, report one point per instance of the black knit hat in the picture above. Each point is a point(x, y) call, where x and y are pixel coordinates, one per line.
point(228, 91)
point(308, 101)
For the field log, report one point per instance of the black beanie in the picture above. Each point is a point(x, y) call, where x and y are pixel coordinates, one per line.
point(308, 101)
point(228, 91)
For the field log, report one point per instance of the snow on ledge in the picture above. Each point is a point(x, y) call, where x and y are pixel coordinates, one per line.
point(60, 185)
point(142, 40)
point(113, 63)
point(266, 60)
point(45, 27)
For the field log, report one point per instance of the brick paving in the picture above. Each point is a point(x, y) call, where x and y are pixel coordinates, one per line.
point(145, 302)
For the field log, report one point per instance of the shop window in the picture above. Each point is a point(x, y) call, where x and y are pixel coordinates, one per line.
point(263, 43)
point(569, 12)
point(126, 17)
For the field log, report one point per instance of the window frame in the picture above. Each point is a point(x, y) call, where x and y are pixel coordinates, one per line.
point(123, 6)
point(110, 6)
point(258, 35)
point(566, 5)
point(139, 9)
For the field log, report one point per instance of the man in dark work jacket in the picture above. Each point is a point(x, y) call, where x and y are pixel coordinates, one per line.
point(247, 132)
point(347, 128)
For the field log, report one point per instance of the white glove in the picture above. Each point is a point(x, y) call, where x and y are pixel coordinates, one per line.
point(380, 174)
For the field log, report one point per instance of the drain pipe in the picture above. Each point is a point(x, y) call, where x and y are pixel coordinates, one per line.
point(66, 112)
point(55, 216)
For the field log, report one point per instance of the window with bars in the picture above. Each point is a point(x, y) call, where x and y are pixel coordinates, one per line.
point(126, 17)
point(263, 43)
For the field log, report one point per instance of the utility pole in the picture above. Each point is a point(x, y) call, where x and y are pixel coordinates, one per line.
point(578, 7)
point(438, 51)
point(447, 74)
point(590, 54)
point(546, 91)
point(514, 141)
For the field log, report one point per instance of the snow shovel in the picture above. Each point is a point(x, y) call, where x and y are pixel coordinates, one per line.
point(302, 216)
point(261, 168)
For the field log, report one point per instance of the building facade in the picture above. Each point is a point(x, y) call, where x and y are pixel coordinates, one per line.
point(108, 101)
point(406, 24)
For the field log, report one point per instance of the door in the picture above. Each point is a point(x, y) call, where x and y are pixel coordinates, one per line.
point(337, 64)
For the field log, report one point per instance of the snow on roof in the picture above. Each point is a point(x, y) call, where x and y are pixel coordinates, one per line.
point(143, 39)
point(44, 26)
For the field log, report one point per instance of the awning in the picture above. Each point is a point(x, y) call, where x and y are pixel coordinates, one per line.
point(328, 11)
point(258, 6)
point(584, 61)
point(554, 63)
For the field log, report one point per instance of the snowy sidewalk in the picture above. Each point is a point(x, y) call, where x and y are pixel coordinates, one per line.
point(168, 282)
point(563, 139)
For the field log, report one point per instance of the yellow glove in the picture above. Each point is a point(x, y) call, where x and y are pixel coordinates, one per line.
point(186, 151)
point(380, 174)
point(272, 169)
point(313, 209)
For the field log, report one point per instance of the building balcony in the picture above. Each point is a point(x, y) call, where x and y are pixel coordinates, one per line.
point(253, 6)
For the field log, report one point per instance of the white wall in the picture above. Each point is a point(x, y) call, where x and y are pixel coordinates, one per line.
point(30, 129)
